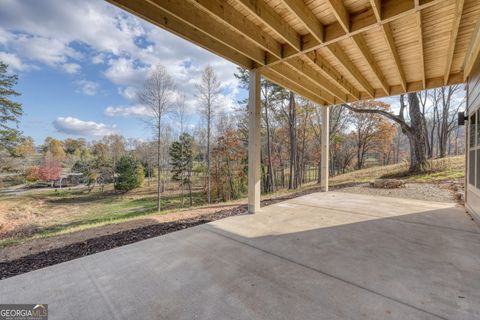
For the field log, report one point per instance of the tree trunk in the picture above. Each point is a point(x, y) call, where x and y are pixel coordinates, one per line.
point(416, 136)
point(293, 145)
point(159, 165)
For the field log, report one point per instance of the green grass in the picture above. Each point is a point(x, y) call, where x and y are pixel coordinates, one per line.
point(451, 168)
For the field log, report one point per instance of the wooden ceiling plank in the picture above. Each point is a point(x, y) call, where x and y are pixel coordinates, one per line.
point(342, 57)
point(341, 13)
point(473, 51)
point(275, 22)
point(279, 79)
point(453, 38)
point(332, 74)
point(304, 14)
point(304, 82)
point(421, 51)
point(387, 32)
point(372, 63)
point(377, 9)
point(167, 21)
point(315, 76)
point(187, 12)
point(228, 14)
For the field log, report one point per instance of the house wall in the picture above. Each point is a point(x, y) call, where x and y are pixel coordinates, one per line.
point(472, 180)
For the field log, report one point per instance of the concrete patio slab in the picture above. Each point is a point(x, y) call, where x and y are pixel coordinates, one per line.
point(320, 256)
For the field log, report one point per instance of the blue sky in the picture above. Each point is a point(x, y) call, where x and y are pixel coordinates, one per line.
point(81, 61)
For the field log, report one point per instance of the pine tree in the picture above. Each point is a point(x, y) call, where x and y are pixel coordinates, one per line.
point(10, 111)
point(130, 174)
point(181, 160)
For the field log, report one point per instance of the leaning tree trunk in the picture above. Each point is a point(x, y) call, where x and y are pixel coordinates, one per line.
point(414, 131)
point(416, 136)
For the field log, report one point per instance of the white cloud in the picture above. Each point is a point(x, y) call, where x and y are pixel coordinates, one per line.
point(89, 88)
point(14, 63)
point(132, 111)
point(129, 93)
point(74, 126)
point(71, 68)
point(68, 34)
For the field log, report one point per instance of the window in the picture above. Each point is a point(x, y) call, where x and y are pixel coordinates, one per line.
point(473, 125)
point(472, 150)
point(477, 127)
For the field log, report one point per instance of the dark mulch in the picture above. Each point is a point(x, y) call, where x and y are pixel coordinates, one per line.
point(91, 246)
point(102, 243)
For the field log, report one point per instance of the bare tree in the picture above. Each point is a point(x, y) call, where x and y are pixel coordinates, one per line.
point(208, 92)
point(156, 95)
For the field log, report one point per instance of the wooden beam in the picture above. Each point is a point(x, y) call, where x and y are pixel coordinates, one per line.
point(387, 32)
point(377, 9)
point(340, 13)
point(272, 19)
point(254, 142)
point(229, 15)
point(420, 47)
point(359, 23)
point(431, 83)
point(315, 76)
point(372, 63)
point(342, 57)
point(286, 83)
point(453, 37)
point(187, 12)
point(304, 14)
point(302, 81)
point(168, 22)
point(322, 65)
point(473, 51)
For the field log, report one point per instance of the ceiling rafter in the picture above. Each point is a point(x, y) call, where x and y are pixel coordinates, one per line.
point(341, 13)
point(372, 63)
point(453, 38)
point(169, 22)
point(184, 11)
point(315, 76)
point(387, 32)
point(311, 86)
point(271, 18)
point(473, 51)
point(420, 48)
point(278, 78)
point(304, 14)
point(229, 15)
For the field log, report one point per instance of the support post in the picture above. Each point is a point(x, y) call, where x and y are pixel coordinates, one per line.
point(254, 105)
point(325, 149)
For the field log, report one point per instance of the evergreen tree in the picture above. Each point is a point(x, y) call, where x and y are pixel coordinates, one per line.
point(10, 111)
point(181, 160)
point(130, 174)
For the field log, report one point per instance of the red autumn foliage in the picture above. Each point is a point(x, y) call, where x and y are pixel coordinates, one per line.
point(50, 169)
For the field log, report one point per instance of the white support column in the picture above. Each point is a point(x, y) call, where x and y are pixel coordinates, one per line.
point(325, 149)
point(254, 142)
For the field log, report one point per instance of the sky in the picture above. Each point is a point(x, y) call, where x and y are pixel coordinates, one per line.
point(80, 63)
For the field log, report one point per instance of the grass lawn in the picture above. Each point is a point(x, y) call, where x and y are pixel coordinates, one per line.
point(44, 213)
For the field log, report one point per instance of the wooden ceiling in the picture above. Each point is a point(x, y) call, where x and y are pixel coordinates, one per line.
point(331, 51)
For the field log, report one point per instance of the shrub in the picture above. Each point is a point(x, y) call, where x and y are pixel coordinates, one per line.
point(130, 174)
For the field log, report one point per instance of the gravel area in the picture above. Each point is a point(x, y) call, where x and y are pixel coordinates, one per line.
point(419, 191)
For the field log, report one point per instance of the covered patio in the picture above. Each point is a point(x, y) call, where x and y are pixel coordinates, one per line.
point(326, 255)
point(320, 256)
